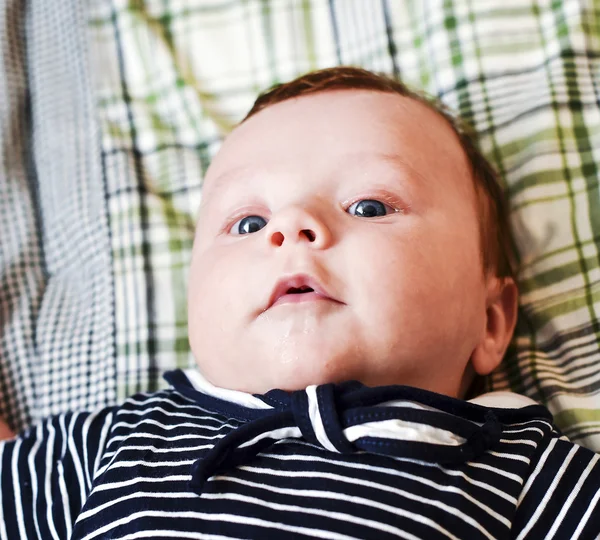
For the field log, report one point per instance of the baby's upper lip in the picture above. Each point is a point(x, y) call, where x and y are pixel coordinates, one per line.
point(297, 281)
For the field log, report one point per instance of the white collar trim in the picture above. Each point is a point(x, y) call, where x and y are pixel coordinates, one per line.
point(498, 399)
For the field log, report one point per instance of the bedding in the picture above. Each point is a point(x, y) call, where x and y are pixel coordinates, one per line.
point(110, 114)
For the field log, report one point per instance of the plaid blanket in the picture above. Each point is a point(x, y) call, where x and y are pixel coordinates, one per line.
point(110, 115)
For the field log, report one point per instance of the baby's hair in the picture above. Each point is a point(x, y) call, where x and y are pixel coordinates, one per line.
point(496, 245)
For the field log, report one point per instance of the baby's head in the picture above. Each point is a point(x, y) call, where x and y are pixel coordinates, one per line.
point(350, 184)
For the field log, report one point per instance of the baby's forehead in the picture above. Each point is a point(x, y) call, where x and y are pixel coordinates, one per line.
point(355, 164)
point(361, 129)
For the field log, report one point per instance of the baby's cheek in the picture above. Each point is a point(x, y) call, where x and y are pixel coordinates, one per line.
point(204, 304)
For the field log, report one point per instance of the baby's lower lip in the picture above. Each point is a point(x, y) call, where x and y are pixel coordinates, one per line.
point(302, 297)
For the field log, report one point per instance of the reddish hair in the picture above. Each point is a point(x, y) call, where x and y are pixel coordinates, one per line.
point(496, 245)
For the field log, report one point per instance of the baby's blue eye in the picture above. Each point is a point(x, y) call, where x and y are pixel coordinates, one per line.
point(248, 224)
point(369, 208)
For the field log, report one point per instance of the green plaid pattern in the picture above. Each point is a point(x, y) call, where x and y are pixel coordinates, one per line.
point(173, 76)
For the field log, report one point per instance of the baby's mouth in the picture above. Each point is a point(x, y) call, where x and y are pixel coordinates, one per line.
point(298, 297)
point(301, 290)
point(298, 288)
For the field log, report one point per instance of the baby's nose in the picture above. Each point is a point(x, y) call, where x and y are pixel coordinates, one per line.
point(298, 224)
point(278, 237)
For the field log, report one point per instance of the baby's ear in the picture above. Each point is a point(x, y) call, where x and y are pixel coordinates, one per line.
point(501, 318)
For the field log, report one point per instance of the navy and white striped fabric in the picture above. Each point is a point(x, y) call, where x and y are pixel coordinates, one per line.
point(334, 461)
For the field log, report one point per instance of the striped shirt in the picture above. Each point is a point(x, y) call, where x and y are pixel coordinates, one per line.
point(332, 461)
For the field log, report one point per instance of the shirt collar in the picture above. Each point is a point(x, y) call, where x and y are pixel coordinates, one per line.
point(396, 421)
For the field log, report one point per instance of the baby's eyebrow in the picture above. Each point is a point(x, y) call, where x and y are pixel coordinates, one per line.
point(361, 161)
point(356, 160)
point(230, 178)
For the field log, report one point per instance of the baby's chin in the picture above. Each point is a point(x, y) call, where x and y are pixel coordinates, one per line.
point(289, 371)
point(297, 372)
point(296, 360)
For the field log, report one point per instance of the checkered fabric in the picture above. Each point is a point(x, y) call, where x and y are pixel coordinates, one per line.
point(171, 77)
point(56, 291)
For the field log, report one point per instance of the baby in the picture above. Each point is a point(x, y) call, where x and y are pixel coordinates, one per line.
point(350, 282)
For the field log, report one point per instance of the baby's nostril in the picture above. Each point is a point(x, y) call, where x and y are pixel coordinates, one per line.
point(309, 234)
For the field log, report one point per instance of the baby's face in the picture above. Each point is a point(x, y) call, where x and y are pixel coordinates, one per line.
point(368, 195)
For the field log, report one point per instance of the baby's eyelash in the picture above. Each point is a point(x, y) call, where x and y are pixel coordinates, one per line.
point(396, 203)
